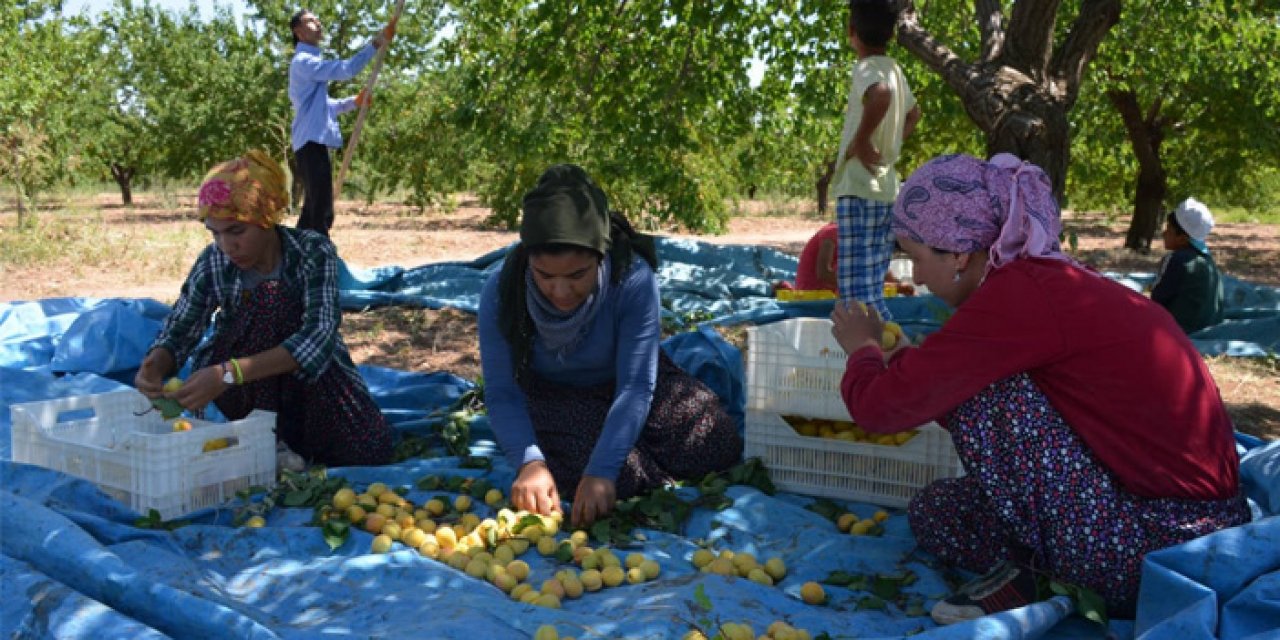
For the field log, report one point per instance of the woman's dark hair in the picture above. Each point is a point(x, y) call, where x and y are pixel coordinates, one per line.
point(294, 22)
point(873, 21)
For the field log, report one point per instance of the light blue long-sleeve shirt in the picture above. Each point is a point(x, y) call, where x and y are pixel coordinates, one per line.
point(621, 346)
point(315, 114)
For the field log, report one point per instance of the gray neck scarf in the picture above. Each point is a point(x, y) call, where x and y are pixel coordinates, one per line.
point(560, 331)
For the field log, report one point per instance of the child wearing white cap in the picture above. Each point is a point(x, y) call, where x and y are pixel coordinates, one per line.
point(1189, 284)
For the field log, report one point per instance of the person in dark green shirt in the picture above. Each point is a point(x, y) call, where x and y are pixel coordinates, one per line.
point(1189, 284)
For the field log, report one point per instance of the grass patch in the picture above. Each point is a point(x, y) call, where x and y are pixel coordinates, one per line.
point(1246, 216)
point(79, 242)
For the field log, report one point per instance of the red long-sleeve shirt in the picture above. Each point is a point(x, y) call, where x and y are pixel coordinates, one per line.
point(1114, 364)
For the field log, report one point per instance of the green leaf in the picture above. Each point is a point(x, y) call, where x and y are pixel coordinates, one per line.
point(297, 498)
point(700, 597)
point(1091, 605)
point(826, 508)
point(601, 530)
point(871, 603)
point(168, 407)
point(336, 532)
point(887, 587)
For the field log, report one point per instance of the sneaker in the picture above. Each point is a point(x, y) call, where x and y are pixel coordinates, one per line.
point(1005, 587)
point(287, 460)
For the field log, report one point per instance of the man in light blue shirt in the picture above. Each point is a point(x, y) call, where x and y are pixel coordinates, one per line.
point(315, 120)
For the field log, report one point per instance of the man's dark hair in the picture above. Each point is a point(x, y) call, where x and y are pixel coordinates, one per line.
point(873, 21)
point(1172, 219)
point(294, 22)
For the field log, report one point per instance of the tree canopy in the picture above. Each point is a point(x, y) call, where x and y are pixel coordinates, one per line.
point(656, 97)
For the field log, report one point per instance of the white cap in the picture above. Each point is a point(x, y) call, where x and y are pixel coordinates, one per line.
point(1194, 218)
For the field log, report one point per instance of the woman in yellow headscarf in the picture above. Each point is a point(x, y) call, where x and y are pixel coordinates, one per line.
point(271, 293)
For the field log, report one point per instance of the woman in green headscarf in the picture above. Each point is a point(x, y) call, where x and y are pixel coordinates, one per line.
point(580, 396)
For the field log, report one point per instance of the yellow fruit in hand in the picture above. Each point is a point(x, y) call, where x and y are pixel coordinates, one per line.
point(812, 593)
point(172, 384)
point(344, 498)
point(892, 335)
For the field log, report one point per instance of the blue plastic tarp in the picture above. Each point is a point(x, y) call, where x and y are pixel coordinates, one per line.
point(85, 571)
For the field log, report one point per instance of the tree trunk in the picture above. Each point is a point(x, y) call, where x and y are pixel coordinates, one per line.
point(17, 184)
point(124, 177)
point(1146, 134)
point(824, 185)
point(1021, 88)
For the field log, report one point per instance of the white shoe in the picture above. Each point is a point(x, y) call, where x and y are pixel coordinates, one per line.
point(287, 460)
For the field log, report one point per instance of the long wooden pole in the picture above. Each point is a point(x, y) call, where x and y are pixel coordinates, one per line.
point(364, 109)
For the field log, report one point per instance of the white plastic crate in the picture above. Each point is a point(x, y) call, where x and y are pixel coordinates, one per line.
point(794, 367)
point(857, 471)
point(140, 460)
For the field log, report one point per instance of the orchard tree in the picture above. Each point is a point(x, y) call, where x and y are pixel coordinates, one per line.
point(40, 63)
point(180, 93)
point(1018, 75)
point(1195, 89)
point(648, 95)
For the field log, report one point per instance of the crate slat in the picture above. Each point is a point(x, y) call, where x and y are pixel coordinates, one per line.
point(140, 460)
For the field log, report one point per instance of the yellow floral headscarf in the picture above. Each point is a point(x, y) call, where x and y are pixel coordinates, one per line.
point(250, 188)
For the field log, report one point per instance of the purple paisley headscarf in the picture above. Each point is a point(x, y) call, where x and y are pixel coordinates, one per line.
point(962, 204)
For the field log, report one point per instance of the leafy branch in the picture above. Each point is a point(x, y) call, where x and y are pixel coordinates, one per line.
point(662, 509)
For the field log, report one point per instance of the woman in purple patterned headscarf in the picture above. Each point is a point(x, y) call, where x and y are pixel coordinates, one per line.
point(1089, 427)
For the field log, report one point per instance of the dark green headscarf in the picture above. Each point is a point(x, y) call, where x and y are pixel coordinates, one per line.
point(565, 209)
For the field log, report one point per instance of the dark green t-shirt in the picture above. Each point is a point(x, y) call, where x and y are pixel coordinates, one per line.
point(1190, 287)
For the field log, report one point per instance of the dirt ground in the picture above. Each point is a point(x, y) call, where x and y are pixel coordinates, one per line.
point(145, 251)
